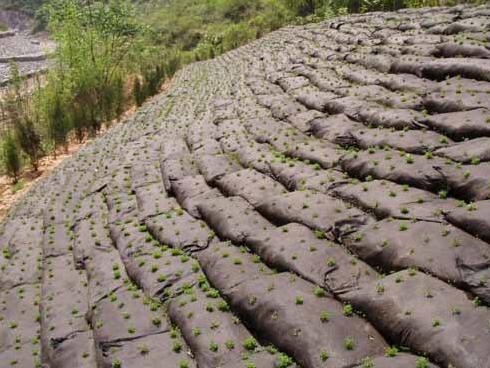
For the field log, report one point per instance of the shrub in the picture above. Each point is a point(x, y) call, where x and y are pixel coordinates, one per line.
point(29, 140)
point(11, 157)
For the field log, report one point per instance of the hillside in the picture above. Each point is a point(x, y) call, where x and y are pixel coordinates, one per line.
point(27, 51)
point(317, 198)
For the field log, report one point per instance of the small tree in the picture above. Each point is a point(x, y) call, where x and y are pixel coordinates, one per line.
point(11, 157)
point(96, 41)
point(29, 140)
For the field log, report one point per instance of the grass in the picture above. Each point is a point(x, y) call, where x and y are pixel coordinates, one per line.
point(176, 346)
point(323, 356)
point(422, 363)
point(368, 363)
point(250, 343)
point(213, 346)
point(347, 310)
point(230, 344)
point(3, 27)
point(349, 343)
point(157, 321)
point(324, 316)
point(391, 351)
point(283, 361)
point(319, 292)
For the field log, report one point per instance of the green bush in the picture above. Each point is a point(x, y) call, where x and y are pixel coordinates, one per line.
point(11, 157)
point(29, 140)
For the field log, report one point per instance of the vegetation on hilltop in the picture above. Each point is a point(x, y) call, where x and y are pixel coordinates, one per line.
point(205, 28)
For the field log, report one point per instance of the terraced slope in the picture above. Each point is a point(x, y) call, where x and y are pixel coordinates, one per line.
point(308, 200)
point(28, 53)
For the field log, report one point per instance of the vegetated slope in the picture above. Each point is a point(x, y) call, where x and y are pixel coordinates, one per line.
point(317, 196)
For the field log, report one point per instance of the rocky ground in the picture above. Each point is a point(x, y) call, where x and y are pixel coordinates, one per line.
point(27, 51)
point(308, 200)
